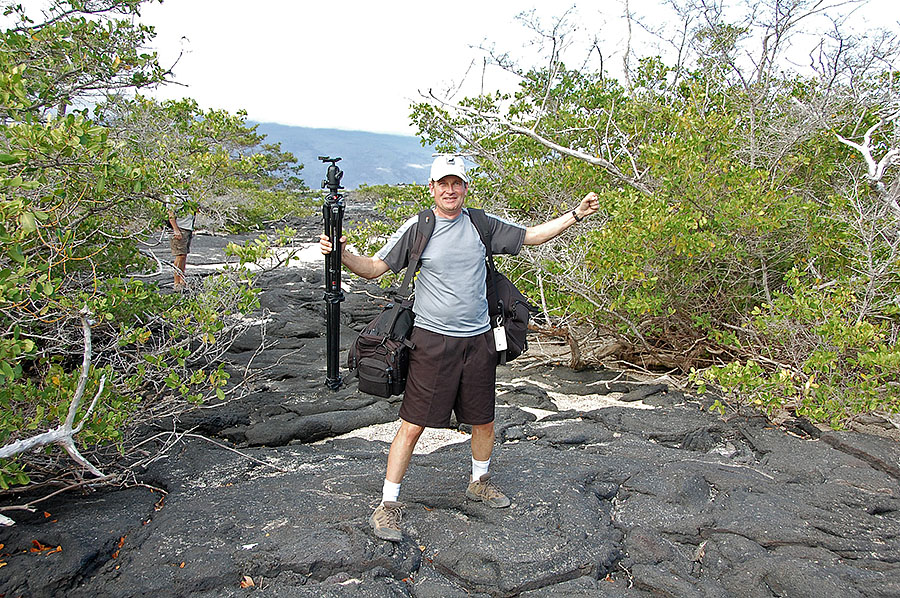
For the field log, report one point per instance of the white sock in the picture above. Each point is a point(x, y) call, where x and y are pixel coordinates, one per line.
point(479, 468)
point(390, 491)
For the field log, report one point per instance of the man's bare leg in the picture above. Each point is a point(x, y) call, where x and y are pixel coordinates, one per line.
point(401, 450)
point(180, 265)
point(482, 441)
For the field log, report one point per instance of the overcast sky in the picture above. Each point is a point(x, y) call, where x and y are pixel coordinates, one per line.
point(358, 64)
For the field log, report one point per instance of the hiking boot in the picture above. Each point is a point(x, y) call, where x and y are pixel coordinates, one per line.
point(483, 489)
point(385, 521)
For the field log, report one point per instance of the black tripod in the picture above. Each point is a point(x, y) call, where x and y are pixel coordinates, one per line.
point(333, 212)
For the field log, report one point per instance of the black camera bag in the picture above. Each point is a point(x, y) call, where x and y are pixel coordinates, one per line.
point(380, 355)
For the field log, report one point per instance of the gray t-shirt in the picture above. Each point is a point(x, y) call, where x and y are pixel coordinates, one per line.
point(451, 296)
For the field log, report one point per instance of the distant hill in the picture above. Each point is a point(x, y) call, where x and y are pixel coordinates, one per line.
point(367, 158)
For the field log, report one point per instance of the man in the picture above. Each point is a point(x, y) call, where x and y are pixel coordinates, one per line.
point(453, 366)
point(181, 219)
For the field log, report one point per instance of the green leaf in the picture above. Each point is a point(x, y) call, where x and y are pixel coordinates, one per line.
point(15, 252)
point(27, 222)
point(172, 380)
point(8, 159)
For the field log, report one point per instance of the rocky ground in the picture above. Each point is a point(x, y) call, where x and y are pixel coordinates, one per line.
point(619, 487)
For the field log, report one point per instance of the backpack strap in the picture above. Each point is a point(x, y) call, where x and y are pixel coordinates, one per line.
point(480, 220)
point(496, 309)
point(424, 228)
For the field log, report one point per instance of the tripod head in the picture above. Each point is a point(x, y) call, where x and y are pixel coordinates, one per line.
point(333, 175)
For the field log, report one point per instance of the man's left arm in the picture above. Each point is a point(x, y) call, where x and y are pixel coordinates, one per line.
point(535, 235)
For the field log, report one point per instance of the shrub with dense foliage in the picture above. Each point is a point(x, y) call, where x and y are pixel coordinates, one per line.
point(83, 192)
point(749, 225)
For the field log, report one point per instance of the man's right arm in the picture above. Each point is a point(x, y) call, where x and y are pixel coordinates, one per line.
point(367, 267)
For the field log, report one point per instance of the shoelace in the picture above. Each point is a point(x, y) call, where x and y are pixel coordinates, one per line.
point(392, 516)
point(490, 490)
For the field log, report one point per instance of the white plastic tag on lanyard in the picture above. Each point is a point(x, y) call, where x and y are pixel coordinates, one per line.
point(500, 338)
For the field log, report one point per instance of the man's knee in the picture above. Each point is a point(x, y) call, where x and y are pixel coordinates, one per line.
point(408, 433)
point(478, 429)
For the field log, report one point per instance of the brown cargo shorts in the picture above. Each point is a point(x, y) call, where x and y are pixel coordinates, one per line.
point(450, 374)
point(181, 246)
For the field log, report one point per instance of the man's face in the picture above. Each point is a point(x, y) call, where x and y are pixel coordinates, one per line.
point(449, 195)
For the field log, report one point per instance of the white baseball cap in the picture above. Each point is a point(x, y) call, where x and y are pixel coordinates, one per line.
point(447, 165)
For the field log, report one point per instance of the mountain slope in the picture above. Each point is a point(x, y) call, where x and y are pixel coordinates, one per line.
point(367, 158)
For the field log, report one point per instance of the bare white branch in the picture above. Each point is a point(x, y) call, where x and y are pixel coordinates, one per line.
point(63, 435)
point(877, 168)
point(534, 135)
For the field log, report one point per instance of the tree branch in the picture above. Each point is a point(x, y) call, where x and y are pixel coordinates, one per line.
point(876, 169)
point(63, 435)
point(611, 168)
